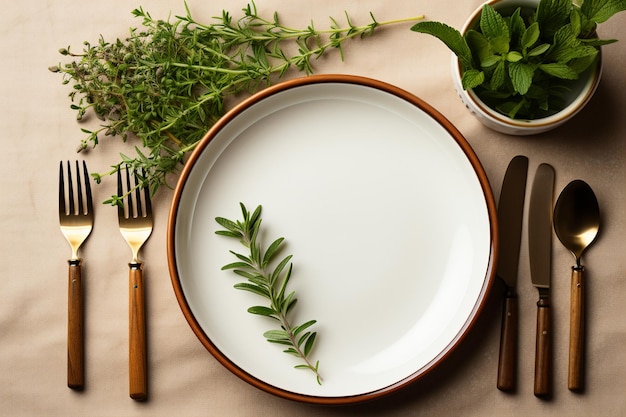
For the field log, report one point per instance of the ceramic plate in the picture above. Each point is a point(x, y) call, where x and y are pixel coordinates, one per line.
point(387, 213)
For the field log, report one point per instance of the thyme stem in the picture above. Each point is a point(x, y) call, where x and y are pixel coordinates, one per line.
point(165, 84)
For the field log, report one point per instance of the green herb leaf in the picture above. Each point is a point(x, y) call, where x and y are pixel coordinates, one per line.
point(552, 15)
point(558, 70)
point(472, 79)
point(495, 29)
point(521, 76)
point(262, 311)
point(451, 37)
point(498, 77)
point(600, 11)
point(271, 284)
point(530, 35)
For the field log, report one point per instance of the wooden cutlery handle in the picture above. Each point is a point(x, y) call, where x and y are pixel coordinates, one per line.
point(75, 326)
point(137, 334)
point(575, 379)
point(543, 349)
point(507, 361)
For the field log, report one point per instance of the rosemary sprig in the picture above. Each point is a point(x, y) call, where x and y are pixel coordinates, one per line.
point(166, 83)
point(269, 282)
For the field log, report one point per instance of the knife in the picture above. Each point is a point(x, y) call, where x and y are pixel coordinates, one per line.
point(510, 214)
point(540, 254)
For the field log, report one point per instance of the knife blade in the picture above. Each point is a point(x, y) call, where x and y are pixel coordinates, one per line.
point(510, 216)
point(540, 255)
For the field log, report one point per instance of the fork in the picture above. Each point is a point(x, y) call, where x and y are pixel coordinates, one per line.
point(76, 220)
point(135, 220)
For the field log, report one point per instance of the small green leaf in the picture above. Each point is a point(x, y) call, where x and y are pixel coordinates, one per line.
point(538, 50)
point(552, 15)
point(490, 61)
point(252, 288)
point(479, 45)
point(269, 253)
point(493, 25)
point(304, 326)
point(228, 233)
point(262, 311)
point(472, 79)
point(498, 77)
point(451, 37)
point(600, 11)
point(227, 224)
point(559, 70)
point(276, 335)
point(530, 36)
point(309, 343)
point(514, 56)
point(235, 265)
point(521, 76)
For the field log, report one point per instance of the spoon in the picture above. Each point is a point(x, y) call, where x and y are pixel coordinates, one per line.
point(576, 223)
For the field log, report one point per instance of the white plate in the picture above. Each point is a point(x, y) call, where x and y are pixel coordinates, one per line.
point(386, 210)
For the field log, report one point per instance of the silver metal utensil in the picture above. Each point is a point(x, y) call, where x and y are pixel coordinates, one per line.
point(576, 223)
point(510, 216)
point(76, 220)
point(540, 253)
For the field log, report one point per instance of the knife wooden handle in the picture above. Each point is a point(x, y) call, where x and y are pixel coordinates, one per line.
point(75, 326)
point(543, 349)
point(575, 379)
point(137, 363)
point(507, 361)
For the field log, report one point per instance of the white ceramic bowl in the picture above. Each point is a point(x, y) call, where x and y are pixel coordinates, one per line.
point(580, 95)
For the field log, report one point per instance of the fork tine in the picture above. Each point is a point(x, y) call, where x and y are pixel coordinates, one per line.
point(120, 193)
point(147, 197)
point(70, 188)
point(130, 195)
point(140, 212)
point(61, 190)
point(81, 208)
point(87, 189)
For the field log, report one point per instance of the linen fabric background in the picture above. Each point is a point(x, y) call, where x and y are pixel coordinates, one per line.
point(38, 130)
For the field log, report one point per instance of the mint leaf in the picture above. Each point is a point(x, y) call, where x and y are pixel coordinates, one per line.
point(559, 70)
point(495, 29)
point(517, 26)
point(521, 76)
point(472, 79)
point(530, 35)
point(601, 10)
point(498, 77)
point(553, 14)
point(451, 37)
point(538, 50)
point(479, 45)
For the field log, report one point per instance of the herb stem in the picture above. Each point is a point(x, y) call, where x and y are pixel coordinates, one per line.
point(166, 83)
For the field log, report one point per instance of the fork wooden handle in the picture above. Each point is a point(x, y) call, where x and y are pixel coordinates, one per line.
point(75, 326)
point(137, 334)
point(575, 379)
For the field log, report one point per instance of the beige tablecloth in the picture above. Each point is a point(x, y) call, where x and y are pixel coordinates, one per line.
point(38, 130)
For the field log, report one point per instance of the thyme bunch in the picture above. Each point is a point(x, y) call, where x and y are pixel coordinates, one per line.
point(269, 282)
point(165, 84)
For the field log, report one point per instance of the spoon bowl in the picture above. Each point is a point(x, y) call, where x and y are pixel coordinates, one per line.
point(576, 223)
point(577, 218)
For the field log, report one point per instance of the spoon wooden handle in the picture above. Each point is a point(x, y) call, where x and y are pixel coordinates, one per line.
point(75, 327)
point(507, 360)
point(137, 362)
point(575, 379)
point(543, 349)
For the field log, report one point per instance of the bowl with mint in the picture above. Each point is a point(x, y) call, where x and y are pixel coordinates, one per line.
point(524, 67)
